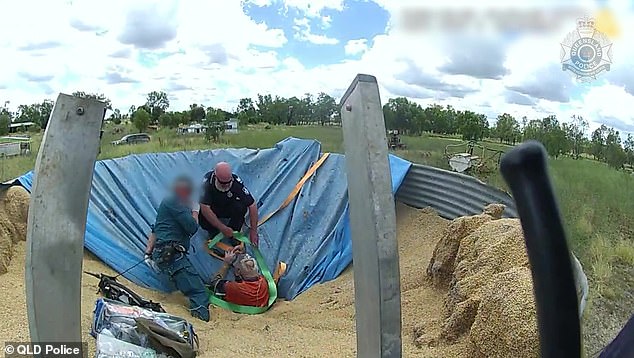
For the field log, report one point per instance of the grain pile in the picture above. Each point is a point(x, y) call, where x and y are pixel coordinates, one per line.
point(319, 323)
point(441, 267)
point(14, 208)
point(482, 260)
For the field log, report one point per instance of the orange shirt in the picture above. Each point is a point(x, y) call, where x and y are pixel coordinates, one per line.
point(248, 293)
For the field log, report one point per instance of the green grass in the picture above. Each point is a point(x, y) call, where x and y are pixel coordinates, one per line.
point(596, 202)
point(597, 206)
point(167, 140)
point(13, 167)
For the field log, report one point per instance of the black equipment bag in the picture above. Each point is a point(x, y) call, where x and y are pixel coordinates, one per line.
point(112, 289)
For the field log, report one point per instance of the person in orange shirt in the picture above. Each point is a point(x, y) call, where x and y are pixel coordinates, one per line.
point(249, 288)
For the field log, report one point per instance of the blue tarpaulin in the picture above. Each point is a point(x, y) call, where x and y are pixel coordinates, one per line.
point(312, 235)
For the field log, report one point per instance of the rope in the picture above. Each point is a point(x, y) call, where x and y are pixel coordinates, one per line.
point(296, 189)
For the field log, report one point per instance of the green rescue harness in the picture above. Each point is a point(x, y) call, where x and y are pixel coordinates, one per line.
point(216, 301)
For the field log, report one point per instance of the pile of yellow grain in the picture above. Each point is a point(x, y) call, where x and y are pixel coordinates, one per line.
point(482, 262)
point(468, 275)
point(14, 208)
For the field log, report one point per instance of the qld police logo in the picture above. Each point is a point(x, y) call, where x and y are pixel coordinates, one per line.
point(586, 52)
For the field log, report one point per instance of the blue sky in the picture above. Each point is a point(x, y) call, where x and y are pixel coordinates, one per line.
point(358, 20)
point(216, 52)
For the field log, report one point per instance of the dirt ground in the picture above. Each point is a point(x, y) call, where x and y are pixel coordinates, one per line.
point(465, 292)
point(319, 323)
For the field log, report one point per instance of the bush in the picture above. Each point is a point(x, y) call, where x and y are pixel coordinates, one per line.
point(213, 132)
point(141, 120)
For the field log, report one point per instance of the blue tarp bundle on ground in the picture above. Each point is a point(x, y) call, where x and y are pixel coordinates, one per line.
point(312, 235)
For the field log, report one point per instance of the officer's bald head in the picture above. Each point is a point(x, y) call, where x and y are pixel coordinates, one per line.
point(223, 171)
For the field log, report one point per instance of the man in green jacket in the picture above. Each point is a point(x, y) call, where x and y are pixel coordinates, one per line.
point(176, 223)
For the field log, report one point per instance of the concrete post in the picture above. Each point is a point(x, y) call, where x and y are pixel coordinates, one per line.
point(57, 219)
point(373, 222)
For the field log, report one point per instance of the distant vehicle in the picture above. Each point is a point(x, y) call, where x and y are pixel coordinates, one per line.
point(133, 139)
point(394, 140)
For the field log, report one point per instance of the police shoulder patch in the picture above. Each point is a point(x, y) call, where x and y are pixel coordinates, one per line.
point(238, 179)
point(245, 190)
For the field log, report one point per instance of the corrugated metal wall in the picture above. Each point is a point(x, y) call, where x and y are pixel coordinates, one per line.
point(453, 195)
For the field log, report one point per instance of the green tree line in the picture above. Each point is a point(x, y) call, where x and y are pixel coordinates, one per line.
point(569, 138)
point(559, 138)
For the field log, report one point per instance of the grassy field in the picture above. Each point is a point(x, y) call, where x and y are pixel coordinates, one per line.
point(597, 203)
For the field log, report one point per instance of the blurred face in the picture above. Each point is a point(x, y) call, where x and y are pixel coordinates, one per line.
point(182, 190)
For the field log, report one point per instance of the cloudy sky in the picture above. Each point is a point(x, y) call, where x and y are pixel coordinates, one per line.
point(487, 58)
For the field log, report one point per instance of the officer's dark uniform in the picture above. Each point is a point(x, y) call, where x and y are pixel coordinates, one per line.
point(231, 205)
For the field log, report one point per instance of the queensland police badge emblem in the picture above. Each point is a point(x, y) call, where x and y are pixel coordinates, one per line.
point(586, 52)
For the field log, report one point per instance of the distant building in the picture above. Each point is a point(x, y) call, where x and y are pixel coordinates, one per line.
point(10, 146)
point(192, 129)
point(231, 126)
point(20, 127)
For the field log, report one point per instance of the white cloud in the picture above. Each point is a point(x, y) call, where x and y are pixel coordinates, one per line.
point(326, 21)
point(531, 57)
point(355, 47)
point(314, 8)
point(260, 3)
point(303, 33)
point(203, 52)
point(78, 46)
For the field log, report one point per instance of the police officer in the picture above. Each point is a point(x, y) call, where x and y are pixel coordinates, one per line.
point(176, 223)
point(224, 204)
